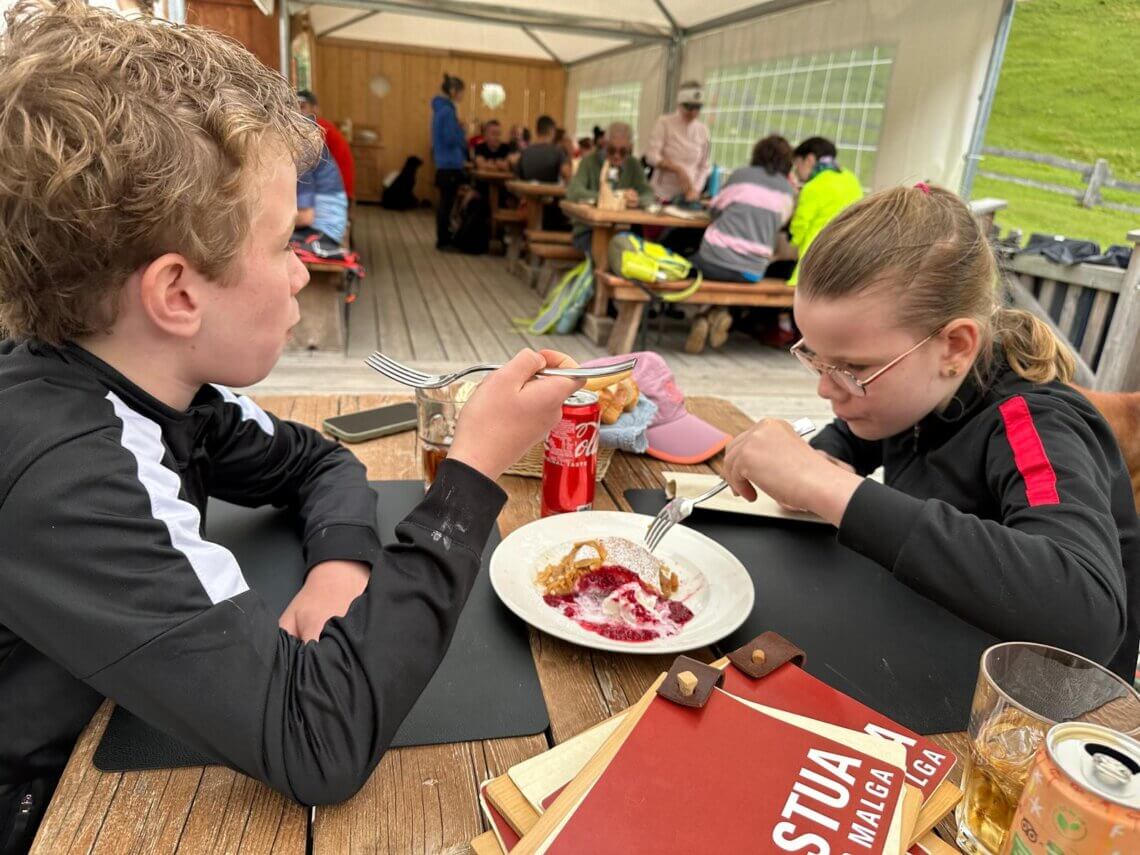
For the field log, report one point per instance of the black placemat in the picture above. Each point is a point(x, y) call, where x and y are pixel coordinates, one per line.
point(865, 633)
point(485, 688)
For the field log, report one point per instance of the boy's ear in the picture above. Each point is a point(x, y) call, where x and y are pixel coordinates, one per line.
point(963, 337)
point(171, 291)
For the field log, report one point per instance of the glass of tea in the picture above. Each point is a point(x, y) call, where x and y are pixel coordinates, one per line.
point(437, 413)
point(1024, 689)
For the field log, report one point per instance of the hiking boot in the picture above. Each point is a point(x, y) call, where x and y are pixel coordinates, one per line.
point(698, 335)
point(720, 322)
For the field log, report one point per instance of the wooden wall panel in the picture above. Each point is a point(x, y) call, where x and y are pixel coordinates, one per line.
point(240, 20)
point(403, 118)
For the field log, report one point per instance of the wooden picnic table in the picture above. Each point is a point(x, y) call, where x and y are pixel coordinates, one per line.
point(495, 181)
point(420, 799)
point(537, 195)
point(596, 323)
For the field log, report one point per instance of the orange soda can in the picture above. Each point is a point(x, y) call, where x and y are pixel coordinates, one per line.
point(1082, 796)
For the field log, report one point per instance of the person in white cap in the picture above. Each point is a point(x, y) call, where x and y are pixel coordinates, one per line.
point(679, 148)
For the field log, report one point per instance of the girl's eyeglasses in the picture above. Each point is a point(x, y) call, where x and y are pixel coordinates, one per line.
point(850, 383)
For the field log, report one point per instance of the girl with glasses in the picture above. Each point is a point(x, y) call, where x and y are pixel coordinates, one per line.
point(1005, 496)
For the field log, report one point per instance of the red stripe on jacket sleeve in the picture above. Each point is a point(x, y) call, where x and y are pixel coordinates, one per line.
point(1029, 454)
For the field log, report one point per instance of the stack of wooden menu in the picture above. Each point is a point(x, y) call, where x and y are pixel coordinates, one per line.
point(780, 763)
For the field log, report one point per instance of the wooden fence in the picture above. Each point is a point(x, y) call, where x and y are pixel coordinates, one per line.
point(1094, 307)
point(1095, 175)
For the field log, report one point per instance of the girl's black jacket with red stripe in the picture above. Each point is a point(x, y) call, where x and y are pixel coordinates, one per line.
point(1013, 509)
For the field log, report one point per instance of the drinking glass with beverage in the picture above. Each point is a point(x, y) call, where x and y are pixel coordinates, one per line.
point(1024, 689)
point(437, 414)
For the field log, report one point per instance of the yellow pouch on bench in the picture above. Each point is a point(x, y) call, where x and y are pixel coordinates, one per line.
point(641, 260)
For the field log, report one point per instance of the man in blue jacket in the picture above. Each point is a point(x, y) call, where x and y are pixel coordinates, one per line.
point(449, 148)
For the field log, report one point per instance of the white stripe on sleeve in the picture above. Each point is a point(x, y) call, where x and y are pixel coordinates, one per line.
point(214, 565)
point(249, 410)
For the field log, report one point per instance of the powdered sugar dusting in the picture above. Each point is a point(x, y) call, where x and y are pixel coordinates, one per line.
point(632, 556)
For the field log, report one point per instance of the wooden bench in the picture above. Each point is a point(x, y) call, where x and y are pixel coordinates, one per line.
point(547, 261)
point(539, 236)
point(631, 298)
point(324, 306)
point(1095, 308)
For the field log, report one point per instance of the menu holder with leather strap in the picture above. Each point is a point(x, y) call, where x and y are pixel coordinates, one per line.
point(568, 776)
point(695, 769)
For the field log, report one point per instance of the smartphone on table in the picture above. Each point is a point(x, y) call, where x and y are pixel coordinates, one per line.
point(369, 424)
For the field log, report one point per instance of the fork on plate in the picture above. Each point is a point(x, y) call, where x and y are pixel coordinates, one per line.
point(679, 509)
point(408, 376)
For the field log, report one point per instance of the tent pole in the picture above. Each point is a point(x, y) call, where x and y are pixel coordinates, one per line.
point(534, 38)
point(673, 25)
point(986, 100)
point(672, 74)
point(283, 38)
point(356, 19)
point(484, 13)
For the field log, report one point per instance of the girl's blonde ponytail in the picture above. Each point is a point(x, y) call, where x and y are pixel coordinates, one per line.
point(1032, 348)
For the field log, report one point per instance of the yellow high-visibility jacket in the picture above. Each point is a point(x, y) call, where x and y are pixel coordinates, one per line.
point(821, 199)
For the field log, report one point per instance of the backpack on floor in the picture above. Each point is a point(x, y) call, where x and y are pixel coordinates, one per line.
point(563, 307)
point(472, 224)
point(640, 260)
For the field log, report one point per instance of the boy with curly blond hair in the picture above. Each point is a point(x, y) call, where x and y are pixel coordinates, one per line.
point(147, 191)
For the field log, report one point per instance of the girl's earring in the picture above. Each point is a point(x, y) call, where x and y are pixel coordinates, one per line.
point(951, 372)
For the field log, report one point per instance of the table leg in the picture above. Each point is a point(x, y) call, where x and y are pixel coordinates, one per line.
point(596, 324)
point(534, 208)
point(624, 333)
point(493, 188)
point(600, 239)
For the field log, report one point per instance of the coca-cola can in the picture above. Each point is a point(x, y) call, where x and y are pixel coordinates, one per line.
point(570, 462)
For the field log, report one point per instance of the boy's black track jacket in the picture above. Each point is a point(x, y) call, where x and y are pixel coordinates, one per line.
point(109, 589)
point(1013, 509)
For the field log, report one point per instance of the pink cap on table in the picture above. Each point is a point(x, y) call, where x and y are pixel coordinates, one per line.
point(675, 435)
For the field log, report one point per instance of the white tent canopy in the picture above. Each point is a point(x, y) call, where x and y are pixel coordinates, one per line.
point(903, 86)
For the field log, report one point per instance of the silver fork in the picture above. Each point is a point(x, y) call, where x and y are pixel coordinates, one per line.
point(680, 509)
point(411, 377)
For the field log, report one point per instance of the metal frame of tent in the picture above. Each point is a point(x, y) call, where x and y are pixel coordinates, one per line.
point(667, 33)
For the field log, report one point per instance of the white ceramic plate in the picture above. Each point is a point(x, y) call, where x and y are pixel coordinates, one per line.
point(721, 605)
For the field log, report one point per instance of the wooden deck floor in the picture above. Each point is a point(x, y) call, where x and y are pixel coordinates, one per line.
point(444, 310)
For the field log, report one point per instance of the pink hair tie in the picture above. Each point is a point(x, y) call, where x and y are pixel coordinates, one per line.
point(924, 187)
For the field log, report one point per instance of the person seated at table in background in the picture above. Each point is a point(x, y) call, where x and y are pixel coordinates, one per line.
point(449, 150)
point(566, 142)
point(337, 145)
point(544, 160)
point(123, 317)
point(599, 137)
point(519, 138)
point(474, 137)
point(614, 163)
point(585, 147)
point(679, 147)
point(493, 154)
point(1005, 497)
point(825, 190)
point(322, 204)
point(747, 216)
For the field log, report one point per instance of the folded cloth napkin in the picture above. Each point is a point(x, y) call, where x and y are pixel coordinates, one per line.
point(628, 432)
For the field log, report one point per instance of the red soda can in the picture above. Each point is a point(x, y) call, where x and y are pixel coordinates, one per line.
point(570, 462)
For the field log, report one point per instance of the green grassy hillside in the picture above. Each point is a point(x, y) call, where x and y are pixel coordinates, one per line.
point(1069, 87)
